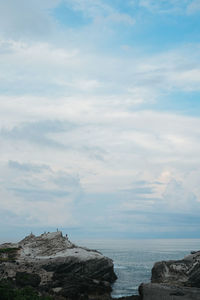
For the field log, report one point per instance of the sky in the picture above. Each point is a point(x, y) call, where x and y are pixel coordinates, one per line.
point(100, 118)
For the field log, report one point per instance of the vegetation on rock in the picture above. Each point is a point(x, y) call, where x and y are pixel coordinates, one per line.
point(8, 250)
point(8, 291)
point(8, 254)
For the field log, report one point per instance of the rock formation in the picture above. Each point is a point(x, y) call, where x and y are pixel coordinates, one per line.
point(174, 280)
point(51, 264)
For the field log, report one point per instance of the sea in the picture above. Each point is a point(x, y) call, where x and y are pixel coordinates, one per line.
point(134, 259)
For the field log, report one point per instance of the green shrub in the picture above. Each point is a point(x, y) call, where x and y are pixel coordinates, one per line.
point(8, 250)
point(9, 292)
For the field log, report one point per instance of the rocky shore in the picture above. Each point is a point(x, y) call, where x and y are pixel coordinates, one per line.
point(49, 266)
point(174, 280)
point(52, 265)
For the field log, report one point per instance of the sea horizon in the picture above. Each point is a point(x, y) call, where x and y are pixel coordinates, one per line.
point(134, 259)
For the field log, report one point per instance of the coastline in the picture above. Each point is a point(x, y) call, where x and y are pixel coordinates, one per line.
point(126, 254)
point(134, 258)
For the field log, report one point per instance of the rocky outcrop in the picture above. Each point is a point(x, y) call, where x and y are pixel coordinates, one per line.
point(185, 272)
point(173, 280)
point(134, 297)
point(51, 264)
point(155, 291)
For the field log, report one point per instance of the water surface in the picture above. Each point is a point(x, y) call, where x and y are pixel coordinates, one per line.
point(134, 259)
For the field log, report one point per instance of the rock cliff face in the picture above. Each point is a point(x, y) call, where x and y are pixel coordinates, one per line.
point(155, 291)
point(173, 280)
point(51, 263)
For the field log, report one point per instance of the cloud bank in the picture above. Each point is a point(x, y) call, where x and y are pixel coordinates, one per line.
point(99, 125)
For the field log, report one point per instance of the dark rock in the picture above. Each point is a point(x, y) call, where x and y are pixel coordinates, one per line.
point(155, 291)
point(177, 293)
point(27, 279)
point(130, 298)
point(185, 272)
point(173, 280)
point(52, 264)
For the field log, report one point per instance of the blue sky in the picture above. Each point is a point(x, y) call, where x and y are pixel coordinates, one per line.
point(100, 118)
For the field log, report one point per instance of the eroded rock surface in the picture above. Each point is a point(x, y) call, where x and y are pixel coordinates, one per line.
point(51, 263)
point(175, 279)
point(155, 291)
point(185, 272)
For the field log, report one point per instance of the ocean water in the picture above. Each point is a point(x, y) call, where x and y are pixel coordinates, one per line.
point(134, 259)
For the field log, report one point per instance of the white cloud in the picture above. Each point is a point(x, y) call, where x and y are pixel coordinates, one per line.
point(110, 149)
point(46, 69)
point(193, 7)
point(120, 138)
point(100, 11)
point(77, 123)
point(179, 199)
point(28, 20)
point(165, 6)
point(41, 197)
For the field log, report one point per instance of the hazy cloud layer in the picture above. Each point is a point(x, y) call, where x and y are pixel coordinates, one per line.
point(99, 120)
